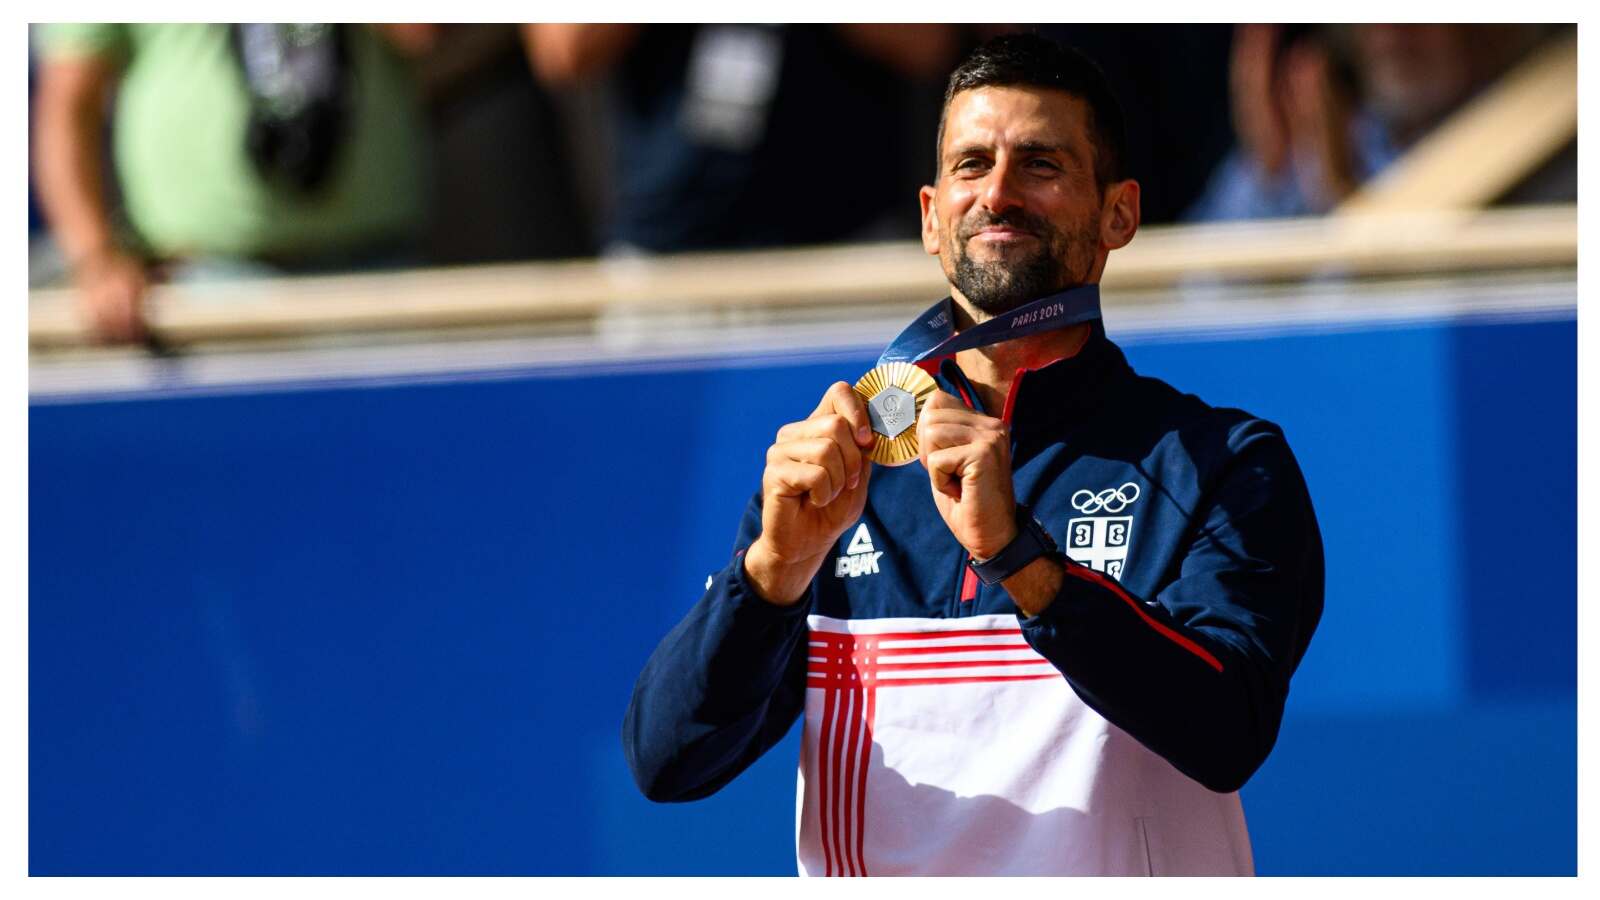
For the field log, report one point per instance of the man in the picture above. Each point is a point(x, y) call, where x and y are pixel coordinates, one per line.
point(1309, 138)
point(239, 151)
point(716, 125)
point(975, 701)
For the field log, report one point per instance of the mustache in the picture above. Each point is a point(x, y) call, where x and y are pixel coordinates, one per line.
point(1016, 218)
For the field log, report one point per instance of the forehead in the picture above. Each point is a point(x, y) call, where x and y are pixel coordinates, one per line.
point(997, 116)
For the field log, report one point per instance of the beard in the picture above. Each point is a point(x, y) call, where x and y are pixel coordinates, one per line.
point(1001, 285)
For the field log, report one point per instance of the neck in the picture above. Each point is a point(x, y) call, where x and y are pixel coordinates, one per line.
point(992, 369)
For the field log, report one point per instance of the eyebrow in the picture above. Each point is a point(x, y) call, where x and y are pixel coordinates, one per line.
point(1024, 147)
point(969, 150)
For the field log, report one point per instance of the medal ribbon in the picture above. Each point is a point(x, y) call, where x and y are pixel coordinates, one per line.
point(933, 334)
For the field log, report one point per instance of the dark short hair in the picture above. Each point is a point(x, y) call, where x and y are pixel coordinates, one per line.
point(1032, 60)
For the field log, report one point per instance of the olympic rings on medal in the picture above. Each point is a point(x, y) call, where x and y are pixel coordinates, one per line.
point(1111, 500)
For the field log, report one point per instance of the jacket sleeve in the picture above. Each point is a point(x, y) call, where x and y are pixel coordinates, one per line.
point(721, 688)
point(1200, 675)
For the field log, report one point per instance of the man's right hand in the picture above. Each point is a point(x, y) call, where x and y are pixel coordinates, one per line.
point(814, 487)
point(111, 288)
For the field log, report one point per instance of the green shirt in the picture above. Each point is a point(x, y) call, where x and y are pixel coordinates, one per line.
point(190, 188)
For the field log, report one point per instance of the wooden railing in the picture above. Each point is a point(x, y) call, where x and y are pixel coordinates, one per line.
point(1377, 244)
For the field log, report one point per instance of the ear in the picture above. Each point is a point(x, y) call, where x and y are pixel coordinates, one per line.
point(930, 221)
point(1119, 218)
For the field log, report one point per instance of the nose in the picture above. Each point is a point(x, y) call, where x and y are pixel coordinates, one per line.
point(1001, 191)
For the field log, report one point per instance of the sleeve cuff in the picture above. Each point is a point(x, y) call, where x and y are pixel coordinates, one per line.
point(746, 601)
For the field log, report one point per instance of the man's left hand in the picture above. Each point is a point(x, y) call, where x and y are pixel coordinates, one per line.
point(968, 458)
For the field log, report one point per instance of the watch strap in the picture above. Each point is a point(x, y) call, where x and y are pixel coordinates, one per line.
point(1031, 542)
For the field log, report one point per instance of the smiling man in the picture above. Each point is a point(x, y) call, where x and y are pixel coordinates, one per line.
point(1061, 642)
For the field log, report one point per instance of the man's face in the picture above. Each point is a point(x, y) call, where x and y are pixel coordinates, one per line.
point(1016, 212)
point(1415, 75)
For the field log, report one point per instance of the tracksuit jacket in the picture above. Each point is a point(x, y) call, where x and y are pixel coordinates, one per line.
point(945, 732)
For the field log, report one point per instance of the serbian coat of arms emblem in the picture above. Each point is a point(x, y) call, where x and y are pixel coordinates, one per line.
point(1101, 541)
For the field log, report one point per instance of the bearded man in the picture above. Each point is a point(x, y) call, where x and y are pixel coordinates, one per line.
point(1063, 642)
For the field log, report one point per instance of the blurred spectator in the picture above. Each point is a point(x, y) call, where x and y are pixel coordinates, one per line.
point(44, 262)
point(1311, 129)
point(504, 181)
point(238, 150)
point(1173, 80)
point(731, 136)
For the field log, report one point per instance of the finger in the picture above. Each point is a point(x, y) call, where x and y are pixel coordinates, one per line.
point(941, 400)
point(781, 460)
point(943, 407)
point(960, 415)
point(791, 478)
point(946, 468)
point(949, 428)
point(1254, 108)
point(103, 317)
point(88, 307)
point(842, 400)
point(115, 308)
point(834, 428)
point(939, 435)
point(820, 454)
point(1306, 82)
point(820, 426)
point(984, 451)
point(863, 478)
point(793, 431)
point(136, 298)
point(824, 452)
point(129, 322)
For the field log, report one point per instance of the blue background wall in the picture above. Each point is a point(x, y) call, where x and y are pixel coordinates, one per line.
point(392, 629)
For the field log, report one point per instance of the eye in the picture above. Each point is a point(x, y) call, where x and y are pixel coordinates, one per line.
point(970, 163)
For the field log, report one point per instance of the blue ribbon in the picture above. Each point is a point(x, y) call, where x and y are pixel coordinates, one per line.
point(933, 335)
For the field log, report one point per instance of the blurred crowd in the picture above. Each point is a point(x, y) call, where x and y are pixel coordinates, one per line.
point(175, 152)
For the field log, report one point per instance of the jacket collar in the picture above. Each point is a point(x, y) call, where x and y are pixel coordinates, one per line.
point(1072, 385)
point(1065, 388)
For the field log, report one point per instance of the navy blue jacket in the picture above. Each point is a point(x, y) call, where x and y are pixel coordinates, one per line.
point(1201, 584)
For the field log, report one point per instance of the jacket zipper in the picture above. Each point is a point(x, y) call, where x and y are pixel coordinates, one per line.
point(969, 578)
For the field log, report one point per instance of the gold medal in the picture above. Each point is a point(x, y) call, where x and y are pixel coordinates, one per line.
point(894, 394)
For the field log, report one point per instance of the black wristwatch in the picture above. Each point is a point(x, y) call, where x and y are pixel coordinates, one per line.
point(1031, 542)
